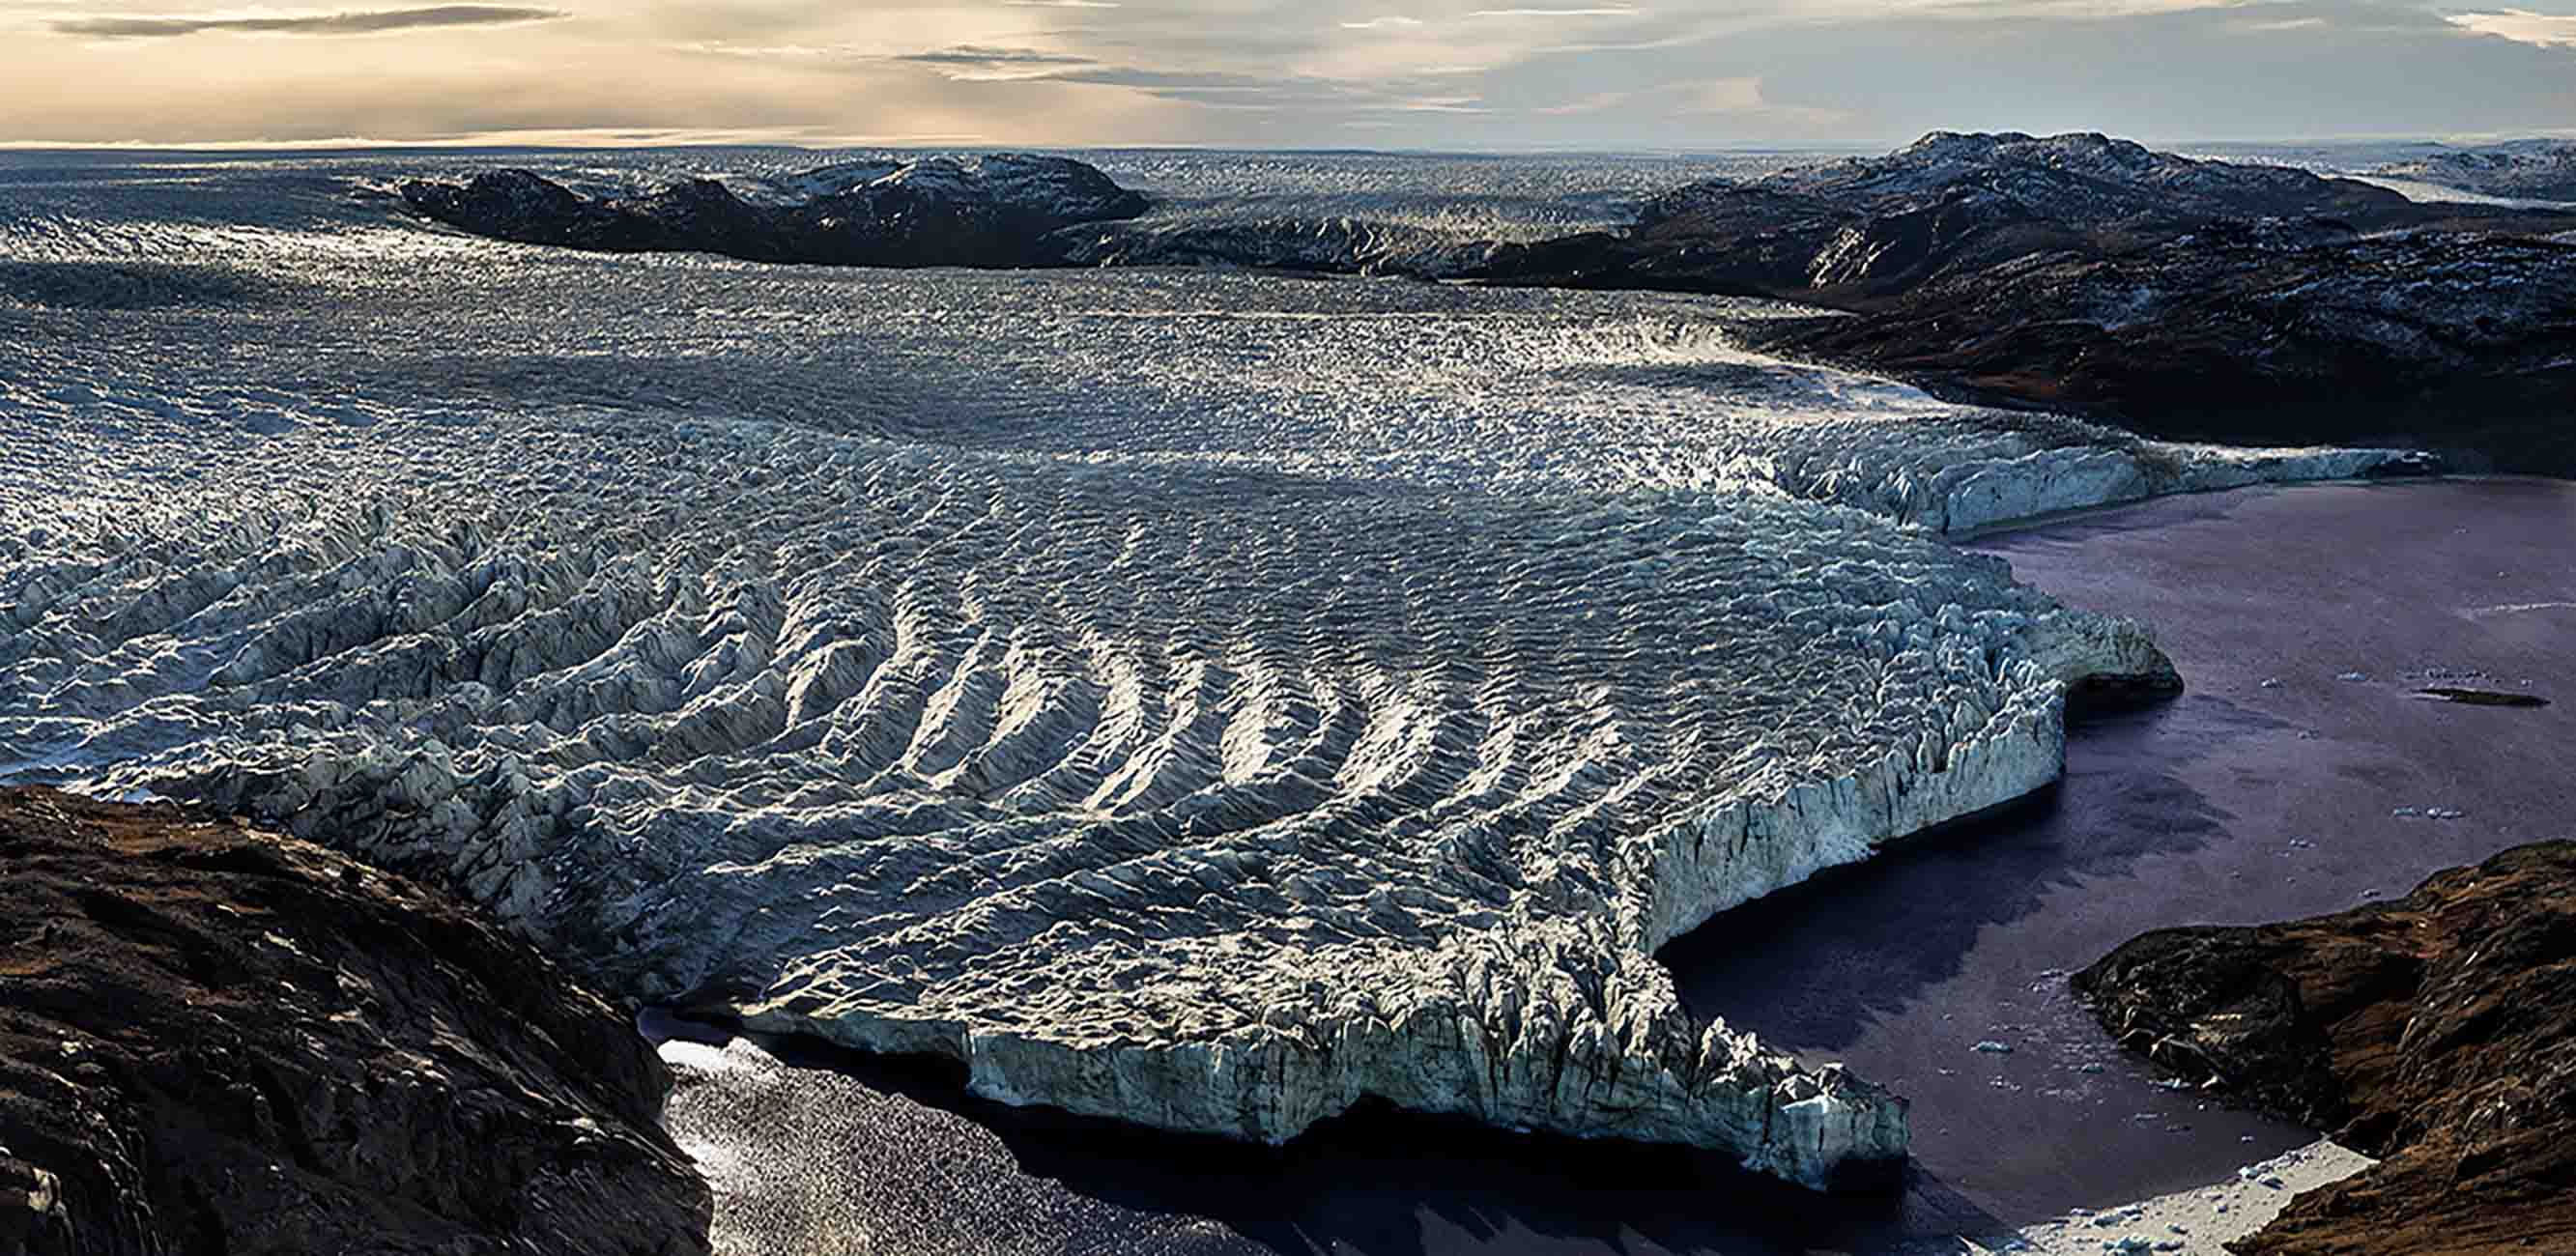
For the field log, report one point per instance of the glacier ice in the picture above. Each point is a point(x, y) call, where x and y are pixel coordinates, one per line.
point(1204, 700)
point(1216, 801)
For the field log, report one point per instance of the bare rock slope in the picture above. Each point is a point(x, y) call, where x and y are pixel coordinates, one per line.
point(214, 1039)
point(2459, 342)
point(1857, 233)
point(934, 211)
point(2437, 1032)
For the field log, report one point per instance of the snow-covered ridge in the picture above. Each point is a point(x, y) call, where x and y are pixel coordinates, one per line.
point(2080, 180)
point(1057, 186)
point(2530, 170)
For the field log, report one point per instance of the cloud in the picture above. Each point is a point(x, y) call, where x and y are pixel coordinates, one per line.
point(2544, 29)
point(970, 54)
point(362, 23)
point(1594, 103)
point(970, 63)
point(1501, 74)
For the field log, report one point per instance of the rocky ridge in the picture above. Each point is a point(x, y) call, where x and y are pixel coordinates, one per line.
point(2182, 298)
point(2437, 1032)
point(2542, 170)
point(2458, 342)
point(216, 1039)
point(992, 210)
point(1858, 233)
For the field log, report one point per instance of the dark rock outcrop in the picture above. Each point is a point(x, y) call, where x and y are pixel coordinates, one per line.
point(1851, 233)
point(2183, 298)
point(2462, 342)
point(993, 211)
point(219, 1040)
point(2437, 1032)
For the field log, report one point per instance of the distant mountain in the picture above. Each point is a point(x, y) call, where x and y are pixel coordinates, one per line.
point(2540, 170)
point(1871, 228)
point(936, 211)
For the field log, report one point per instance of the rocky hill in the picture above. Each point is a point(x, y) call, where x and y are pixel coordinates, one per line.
point(2437, 1033)
point(1860, 233)
point(2461, 342)
point(215, 1039)
point(2532, 169)
point(934, 211)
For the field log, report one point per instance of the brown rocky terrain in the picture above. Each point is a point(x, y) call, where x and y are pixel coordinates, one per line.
point(220, 1040)
point(2459, 342)
point(993, 210)
point(2437, 1032)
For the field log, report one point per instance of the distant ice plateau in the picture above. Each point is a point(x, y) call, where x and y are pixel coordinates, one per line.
point(1203, 746)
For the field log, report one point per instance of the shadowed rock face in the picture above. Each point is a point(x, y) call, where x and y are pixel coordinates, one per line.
point(215, 1039)
point(2437, 1032)
point(1852, 232)
point(2463, 341)
point(976, 211)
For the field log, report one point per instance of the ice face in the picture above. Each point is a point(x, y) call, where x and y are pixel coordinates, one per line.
point(1202, 700)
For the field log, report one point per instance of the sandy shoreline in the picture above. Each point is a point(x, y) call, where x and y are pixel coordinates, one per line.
point(2192, 1222)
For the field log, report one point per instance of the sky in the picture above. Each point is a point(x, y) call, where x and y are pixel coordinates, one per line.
point(1481, 75)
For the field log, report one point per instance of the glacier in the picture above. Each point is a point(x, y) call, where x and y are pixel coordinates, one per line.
point(1207, 700)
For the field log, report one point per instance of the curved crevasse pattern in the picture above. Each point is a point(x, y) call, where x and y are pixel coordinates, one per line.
point(1213, 801)
point(1200, 699)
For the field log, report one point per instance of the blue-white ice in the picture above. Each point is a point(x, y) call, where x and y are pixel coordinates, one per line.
point(1197, 697)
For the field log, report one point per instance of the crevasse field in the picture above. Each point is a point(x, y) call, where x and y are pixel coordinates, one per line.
point(1197, 697)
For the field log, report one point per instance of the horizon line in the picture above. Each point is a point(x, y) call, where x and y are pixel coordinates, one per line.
point(583, 139)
